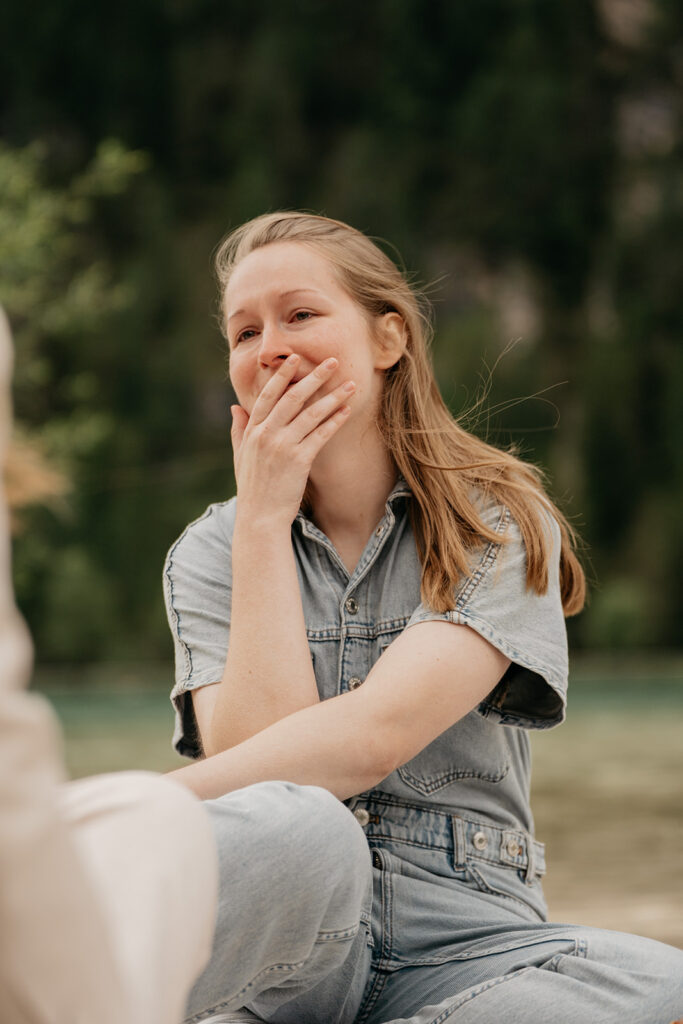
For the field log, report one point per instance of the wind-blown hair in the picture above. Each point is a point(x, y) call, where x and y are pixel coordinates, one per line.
point(450, 472)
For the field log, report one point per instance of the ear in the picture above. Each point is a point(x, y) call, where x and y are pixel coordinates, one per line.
point(391, 338)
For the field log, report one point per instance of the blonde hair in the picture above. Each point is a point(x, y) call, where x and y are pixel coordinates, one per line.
point(447, 469)
point(28, 478)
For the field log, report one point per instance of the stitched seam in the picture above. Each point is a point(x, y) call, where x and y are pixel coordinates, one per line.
point(554, 964)
point(375, 797)
point(444, 849)
point(359, 630)
point(487, 560)
point(345, 933)
point(366, 1007)
point(430, 785)
point(476, 992)
point(224, 1003)
point(467, 618)
point(491, 890)
point(171, 592)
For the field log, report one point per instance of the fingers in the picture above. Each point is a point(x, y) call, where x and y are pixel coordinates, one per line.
point(312, 417)
point(240, 419)
point(299, 393)
point(274, 389)
point(279, 402)
point(319, 437)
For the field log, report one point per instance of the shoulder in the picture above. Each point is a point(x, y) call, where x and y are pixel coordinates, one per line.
point(507, 554)
point(204, 537)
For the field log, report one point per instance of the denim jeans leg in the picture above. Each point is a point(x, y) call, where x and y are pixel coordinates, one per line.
point(577, 975)
point(295, 872)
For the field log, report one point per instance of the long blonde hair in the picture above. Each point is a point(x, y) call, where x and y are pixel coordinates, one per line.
point(447, 469)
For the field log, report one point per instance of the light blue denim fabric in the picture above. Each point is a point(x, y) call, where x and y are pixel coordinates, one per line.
point(419, 915)
point(448, 921)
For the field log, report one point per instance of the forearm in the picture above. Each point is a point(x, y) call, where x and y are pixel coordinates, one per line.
point(334, 744)
point(268, 671)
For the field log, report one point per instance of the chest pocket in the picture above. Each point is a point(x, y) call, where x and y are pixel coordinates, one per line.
point(473, 748)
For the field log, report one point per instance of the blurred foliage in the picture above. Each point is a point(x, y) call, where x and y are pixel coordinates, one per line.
point(526, 155)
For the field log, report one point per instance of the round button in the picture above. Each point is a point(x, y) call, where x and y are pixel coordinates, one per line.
point(362, 816)
point(355, 682)
point(376, 859)
point(379, 531)
point(480, 841)
point(351, 605)
point(514, 849)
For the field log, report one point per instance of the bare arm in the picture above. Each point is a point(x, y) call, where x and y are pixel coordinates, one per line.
point(264, 680)
point(431, 676)
point(268, 671)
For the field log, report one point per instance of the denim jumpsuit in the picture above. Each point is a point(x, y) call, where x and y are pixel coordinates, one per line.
point(419, 900)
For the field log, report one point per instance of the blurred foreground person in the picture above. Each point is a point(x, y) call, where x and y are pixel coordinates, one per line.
point(107, 885)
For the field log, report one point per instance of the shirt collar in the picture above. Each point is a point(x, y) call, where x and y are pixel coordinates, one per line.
point(399, 490)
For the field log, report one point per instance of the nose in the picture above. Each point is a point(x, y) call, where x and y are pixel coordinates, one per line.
point(274, 347)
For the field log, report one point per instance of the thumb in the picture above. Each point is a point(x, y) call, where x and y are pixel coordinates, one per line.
point(240, 419)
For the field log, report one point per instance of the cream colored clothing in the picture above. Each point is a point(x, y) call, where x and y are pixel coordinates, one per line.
point(107, 885)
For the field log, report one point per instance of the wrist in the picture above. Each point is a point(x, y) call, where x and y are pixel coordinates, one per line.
point(260, 524)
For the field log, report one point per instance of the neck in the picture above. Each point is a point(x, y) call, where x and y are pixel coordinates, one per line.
point(349, 484)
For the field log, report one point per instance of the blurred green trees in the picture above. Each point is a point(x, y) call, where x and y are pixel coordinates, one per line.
point(526, 155)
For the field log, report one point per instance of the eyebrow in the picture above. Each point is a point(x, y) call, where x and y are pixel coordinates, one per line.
point(282, 295)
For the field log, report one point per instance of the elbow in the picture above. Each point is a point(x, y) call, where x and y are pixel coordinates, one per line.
point(209, 749)
point(382, 757)
point(377, 746)
point(214, 741)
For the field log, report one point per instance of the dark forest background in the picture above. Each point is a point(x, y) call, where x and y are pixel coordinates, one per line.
point(524, 156)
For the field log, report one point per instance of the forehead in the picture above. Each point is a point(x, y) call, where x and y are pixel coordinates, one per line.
point(280, 267)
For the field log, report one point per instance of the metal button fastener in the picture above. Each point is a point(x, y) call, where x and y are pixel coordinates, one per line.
point(514, 849)
point(379, 531)
point(362, 816)
point(480, 841)
point(355, 682)
point(351, 605)
point(376, 859)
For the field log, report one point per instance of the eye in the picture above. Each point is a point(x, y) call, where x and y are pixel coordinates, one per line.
point(245, 335)
point(302, 314)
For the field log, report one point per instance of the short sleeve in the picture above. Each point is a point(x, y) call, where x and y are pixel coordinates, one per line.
point(527, 627)
point(198, 593)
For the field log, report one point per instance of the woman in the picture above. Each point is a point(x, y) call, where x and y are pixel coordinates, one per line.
point(378, 615)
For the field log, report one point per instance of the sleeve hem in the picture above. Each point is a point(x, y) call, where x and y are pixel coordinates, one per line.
point(488, 708)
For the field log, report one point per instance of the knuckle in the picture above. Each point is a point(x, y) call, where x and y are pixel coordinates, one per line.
point(295, 398)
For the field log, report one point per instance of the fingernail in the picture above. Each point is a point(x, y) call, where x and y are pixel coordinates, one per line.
point(350, 386)
point(330, 364)
point(292, 359)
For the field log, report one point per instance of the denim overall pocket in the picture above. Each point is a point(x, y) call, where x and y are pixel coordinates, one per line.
point(473, 748)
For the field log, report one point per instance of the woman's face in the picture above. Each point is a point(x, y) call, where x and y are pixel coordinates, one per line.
point(285, 298)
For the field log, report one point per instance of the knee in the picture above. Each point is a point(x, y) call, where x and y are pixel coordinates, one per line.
point(325, 827)
point(297, 833)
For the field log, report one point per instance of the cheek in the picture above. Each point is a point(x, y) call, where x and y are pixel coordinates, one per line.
point(349, 344)
point(239, 378)
point(323, 344)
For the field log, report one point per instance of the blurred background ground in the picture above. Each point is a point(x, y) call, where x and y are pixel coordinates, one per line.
point(607, 792)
